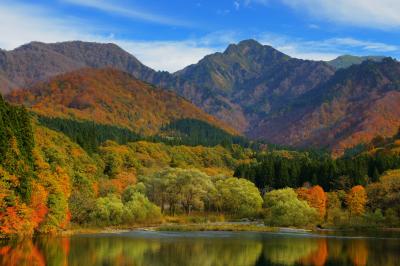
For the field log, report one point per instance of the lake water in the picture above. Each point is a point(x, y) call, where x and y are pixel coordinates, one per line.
point(203, 248)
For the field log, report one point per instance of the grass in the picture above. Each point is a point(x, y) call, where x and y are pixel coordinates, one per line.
point(196, 218)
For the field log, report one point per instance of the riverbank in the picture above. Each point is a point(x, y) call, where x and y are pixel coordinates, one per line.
point(225, 226)
point(188, 227)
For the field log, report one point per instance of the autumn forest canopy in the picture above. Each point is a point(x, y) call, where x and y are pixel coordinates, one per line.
point(249, 133)
point(56, 172)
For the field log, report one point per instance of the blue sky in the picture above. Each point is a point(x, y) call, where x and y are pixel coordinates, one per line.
point(169, 35)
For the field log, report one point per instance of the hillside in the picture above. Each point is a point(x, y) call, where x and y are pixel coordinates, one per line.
point(109, 96)
point(48, 181)
point(352, 107)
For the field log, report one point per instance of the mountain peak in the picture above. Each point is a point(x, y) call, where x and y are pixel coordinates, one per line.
point(30, 46)
point(251, 46)
point(250, 42)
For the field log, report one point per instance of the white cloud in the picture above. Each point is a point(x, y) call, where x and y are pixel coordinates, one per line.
point(261, 2)
point(127, 10)
point(297, 48)
point(236, 4)
point(313, 26)
point(367, 13)
point(326, 49)
point(20, 24)
point(166, 55)
point(365, 45)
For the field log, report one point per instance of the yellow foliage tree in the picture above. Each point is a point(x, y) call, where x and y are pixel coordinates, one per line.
point(356, 199)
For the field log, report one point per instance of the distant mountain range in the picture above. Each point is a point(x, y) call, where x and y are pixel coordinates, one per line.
point(253, 88)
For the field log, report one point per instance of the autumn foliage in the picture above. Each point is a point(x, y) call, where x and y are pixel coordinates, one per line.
point(315, 197)
point(356, 200)
point(109, 96)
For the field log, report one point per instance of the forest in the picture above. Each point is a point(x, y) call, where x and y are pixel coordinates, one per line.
point(59, 174)
point(271, 170)
point(191, 132)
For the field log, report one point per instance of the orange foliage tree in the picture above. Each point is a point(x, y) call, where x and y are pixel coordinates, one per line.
point(315, 197)
point(38, 203)
point(17, 220)
point(356, 199)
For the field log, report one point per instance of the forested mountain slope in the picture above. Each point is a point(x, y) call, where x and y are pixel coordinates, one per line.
point(353, 107)
point(110, 96)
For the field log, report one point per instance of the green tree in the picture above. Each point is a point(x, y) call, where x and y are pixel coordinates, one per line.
point(285, 209)
point(139, 209)
point(238, 196)
point(385, 194)
point(180, 188)
point(108, 210)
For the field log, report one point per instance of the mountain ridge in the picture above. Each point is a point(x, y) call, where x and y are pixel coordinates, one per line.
point(251, 87)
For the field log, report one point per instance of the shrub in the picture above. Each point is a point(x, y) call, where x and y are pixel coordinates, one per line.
point(283, 208)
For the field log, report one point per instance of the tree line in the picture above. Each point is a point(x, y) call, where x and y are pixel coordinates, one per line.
point(189, 132)
point(272, 171)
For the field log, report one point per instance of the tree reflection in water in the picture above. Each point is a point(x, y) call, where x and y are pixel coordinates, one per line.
point(261, 249)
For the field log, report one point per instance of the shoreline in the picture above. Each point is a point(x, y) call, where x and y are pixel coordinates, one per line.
point(213, 227)
point(255, 227)
point(190, 227)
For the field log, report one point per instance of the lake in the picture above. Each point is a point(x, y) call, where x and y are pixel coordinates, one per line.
point(203, 248)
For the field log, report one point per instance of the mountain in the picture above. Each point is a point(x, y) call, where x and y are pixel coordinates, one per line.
point(253, 88)
point(253, 80)
point(239, 86)
point(110, 96)
point(355, 105)
point(39, 61)
point(345, 61)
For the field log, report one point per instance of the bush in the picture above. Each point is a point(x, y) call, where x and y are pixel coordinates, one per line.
point(136, 208)
point(109, 210)
point(283, 208)
point(140, 209)
point(238, 196)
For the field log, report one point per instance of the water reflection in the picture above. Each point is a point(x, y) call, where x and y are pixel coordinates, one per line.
point(242, 249)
